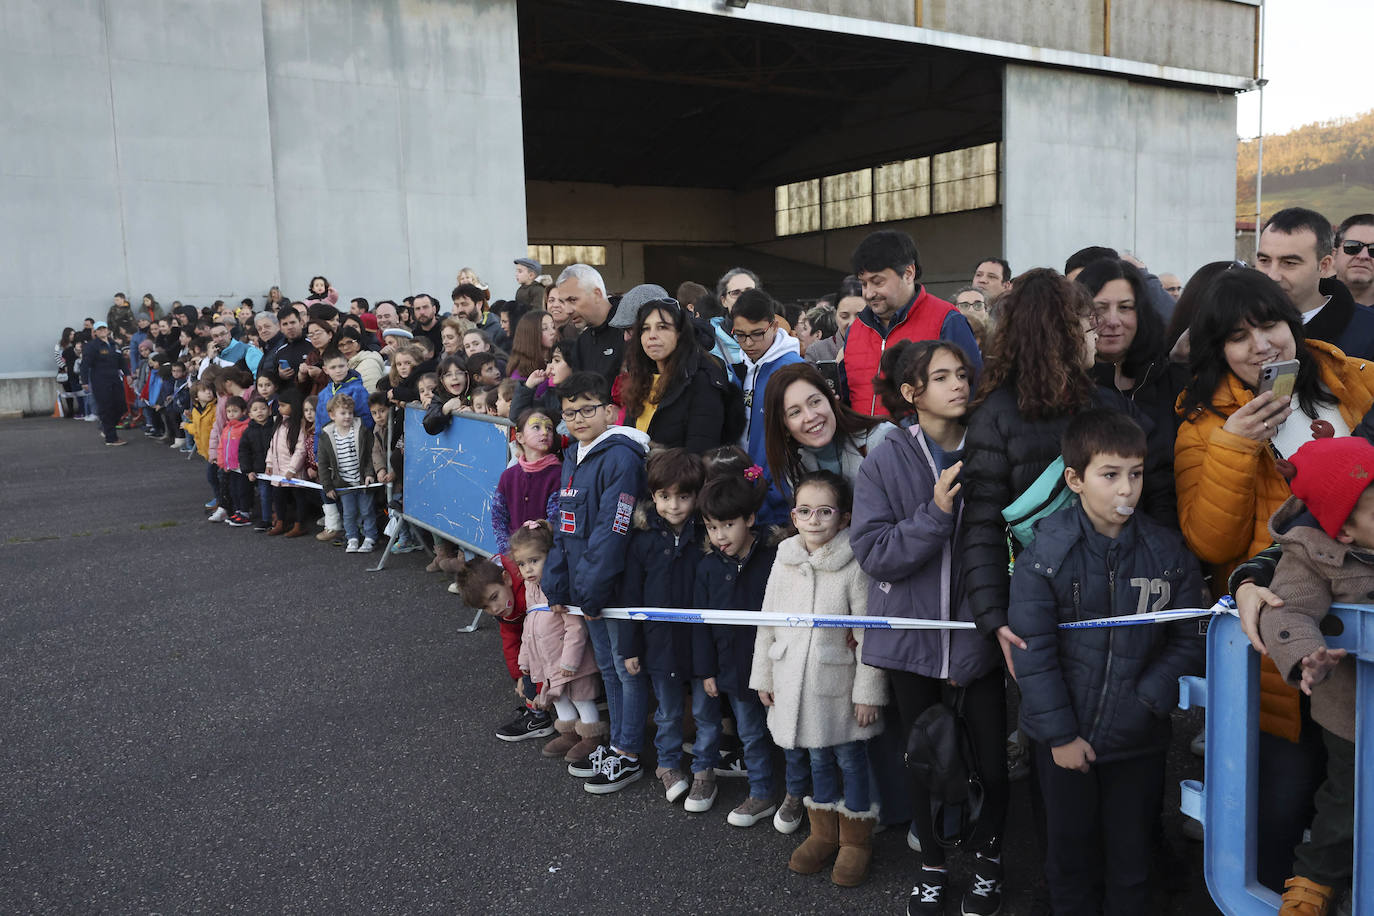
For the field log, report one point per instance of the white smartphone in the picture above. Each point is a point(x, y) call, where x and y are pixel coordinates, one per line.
point(1278, 377)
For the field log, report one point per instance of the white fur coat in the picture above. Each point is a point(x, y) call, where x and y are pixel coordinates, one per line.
point(813, 674)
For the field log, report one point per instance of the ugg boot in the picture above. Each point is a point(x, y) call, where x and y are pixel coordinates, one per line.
point(592, 735)
point(333, 523)
point(298, 531)
point(1302, 897)
point(443, 551)
point(567, 737)
point(823, 841)
point(454, 562)
point(856, 846)
point(277, 528)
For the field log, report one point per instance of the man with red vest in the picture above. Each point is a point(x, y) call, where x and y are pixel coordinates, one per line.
point(898, 308)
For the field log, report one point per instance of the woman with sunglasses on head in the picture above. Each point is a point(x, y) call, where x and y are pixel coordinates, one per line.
point(672, 389)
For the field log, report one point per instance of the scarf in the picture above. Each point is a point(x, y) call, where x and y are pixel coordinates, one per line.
point(534, 467)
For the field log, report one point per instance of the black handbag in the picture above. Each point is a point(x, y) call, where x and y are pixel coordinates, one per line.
point(941, 756)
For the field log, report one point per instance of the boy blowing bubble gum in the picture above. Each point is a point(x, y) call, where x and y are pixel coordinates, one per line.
point(1326, 529)
point(1096, 702)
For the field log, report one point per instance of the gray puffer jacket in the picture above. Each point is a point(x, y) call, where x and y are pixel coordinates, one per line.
point(910, 549)
point(1113, 686)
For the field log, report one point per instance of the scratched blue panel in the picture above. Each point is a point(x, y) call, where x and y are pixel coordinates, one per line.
point(450, 478)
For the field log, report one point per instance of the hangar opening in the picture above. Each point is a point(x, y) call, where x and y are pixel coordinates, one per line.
point(671, 145)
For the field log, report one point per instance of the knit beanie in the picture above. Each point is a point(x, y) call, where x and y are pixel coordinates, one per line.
point(1331, 474)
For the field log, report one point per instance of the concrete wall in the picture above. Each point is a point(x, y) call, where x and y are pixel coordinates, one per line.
point(1091, 160)
point(203, 149)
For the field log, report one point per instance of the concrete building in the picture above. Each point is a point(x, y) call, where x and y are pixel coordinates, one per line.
point(208, 149)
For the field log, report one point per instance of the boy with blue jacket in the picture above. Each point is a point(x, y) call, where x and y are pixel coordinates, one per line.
point(1095, 702)
point(342, 381)
point(603, 476)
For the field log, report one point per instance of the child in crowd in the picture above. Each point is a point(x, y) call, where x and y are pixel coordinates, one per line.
point(452, 395)
point(286, 458)
point(554, 653)
point(197, 426)
point(496, 588)
point(660, 571)
point(1327, 531)
point(333, 520)
point(905, 534)
point(342, 381)
point(1097, 706)
point(505, 393)
point(541, 388)
point(426, 386)
point(819, 695)
point(603, 475)
point(175, 403)
point(485, 371)
point(253, 449)
point(399, 382)
point(529, 489)
point(268, 391)
point(229, 383)
point(733, 576)
point(345, 461)
point(235, 499)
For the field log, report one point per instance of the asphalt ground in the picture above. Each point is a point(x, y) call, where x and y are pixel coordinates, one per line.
point(198, 718)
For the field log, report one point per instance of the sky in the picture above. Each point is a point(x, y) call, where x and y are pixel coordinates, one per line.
point(1316, 58)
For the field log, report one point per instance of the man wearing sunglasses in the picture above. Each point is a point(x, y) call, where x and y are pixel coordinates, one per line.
point(1296, 250)
point(1355, 257)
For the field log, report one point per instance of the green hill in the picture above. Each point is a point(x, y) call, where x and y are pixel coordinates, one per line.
point(1327, 166)
point(1333, 201)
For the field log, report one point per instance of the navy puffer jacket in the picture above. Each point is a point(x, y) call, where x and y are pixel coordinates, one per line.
point(723, 583)
point(660, 571)
point(1113, 686)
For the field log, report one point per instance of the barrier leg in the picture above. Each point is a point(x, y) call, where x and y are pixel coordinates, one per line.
point(1362, 891)
point(476, 620)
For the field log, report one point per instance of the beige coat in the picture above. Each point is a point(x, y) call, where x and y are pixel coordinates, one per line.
point(1315, 572)
point(813, 672)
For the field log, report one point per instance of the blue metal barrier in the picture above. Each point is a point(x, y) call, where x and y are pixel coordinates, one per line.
point(1228, 802)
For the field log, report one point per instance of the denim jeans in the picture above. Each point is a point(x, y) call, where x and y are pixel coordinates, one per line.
point(627, 695)
point(798, 774)
point(264, 500)
point(751, 721)
point(356, 506)
point(827, 765)
point(670, 693)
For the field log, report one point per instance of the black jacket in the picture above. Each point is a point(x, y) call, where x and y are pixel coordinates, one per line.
point(660, 571)
point(253, 446)
point(279, 348)
point(601, 350)
point(1154, 395)
point(1343, 322)
point(724, 652)
point(1112, 686)
point(1003, 455)
point(696, 410)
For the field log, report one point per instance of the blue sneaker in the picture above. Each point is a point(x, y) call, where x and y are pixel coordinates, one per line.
point(212, 504)
point(405, 547)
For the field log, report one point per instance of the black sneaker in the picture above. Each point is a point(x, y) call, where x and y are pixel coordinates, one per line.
point(617, 772)
point(928, 895)
point(984, 894)
point(238, 520)
point(528, 724)
point(732, 764)
point(589, 766)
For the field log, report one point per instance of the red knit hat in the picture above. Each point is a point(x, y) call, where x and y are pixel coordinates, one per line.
point(369, 321)
point(1331, 476)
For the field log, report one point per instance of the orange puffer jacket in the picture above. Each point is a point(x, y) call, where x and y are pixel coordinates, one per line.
point(1228, 487)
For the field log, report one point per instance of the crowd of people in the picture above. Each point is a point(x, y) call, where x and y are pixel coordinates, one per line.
point(1136, 443)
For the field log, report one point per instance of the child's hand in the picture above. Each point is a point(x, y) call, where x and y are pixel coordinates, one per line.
point(331, 494)
point(632, 665)
point(559, 608)
point(520, 687)
point(536, 379)
point(312, 474)
point(368, 481)
point(865, 715)
point(289, 475)
point(1318, 665)
point(1251, 600)
point(766, 697)
point(1076, 755)
point(946, 488)
point(252, 476)
point(710, 686)
point(1006, 639)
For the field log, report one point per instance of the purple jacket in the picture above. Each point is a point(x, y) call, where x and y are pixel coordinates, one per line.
point(909, 547)
point(522, 497)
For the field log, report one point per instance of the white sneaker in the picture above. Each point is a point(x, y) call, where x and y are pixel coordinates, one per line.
point(177, 443)
point(352, 546)
point(368, 546)
point(218, 515)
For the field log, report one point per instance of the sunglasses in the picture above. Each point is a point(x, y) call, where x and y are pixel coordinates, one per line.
point(1353, 248)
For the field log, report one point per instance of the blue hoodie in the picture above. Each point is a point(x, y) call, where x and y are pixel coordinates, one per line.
point(753, 378)
point(353, 386)
point(602, 481)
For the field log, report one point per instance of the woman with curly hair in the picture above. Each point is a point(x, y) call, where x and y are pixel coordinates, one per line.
point(672, 388)
point(1037, 376)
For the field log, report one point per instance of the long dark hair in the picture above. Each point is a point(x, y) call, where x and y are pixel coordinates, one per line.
point(527, 344)
point(1191, 298)
point(1037, 347)
point(781, 450)
point(441, 391)
point(1235, 298)
point(292, 396)
point(1148, 343)
point(638, 383)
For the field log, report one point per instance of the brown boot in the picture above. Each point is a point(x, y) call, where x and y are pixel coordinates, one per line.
point(856, 846)
point(822, 843)
point(277, 528)
point(592, 735)
point(443, 551)
point(1302, 897)
point(328, 534)
point(567, 737)
point(297, 531)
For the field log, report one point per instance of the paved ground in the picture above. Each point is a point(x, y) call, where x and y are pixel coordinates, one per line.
point(198, 718)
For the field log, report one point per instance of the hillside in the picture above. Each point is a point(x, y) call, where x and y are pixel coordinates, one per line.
point(1327, 166)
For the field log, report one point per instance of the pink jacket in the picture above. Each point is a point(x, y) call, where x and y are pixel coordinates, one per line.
point(229, 438)
point(553, 643)
point(216, 429)
point(281, 459)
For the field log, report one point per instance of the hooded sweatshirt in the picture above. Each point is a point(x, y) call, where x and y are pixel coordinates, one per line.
point(752, 377)
point(601, 482)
